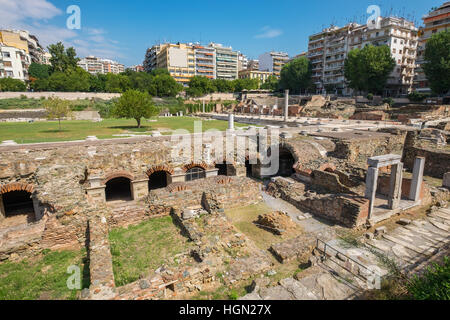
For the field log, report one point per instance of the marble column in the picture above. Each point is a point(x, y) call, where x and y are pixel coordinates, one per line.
point(417, 179)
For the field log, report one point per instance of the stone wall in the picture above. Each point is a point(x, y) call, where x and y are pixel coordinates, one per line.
point(437, 162)
point(345, 209)
point(24, 115)
point(360, 150)
point(61, 95)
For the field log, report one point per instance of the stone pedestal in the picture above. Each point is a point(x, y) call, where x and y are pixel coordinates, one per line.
point(417, 179)
point(139, 189)
point(178, 176)
point(231, 121)
point(97, 194)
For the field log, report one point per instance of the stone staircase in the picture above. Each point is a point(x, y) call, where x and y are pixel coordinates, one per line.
point(341, 270)
point(414, 243)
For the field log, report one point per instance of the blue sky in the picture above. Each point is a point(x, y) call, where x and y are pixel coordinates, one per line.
point(122, 30)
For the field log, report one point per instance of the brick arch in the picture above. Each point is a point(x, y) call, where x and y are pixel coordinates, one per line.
point(118, 174)
point(329, 167)
point(202, 165)
point(159, 168)
point(293, 151)
point(16, 186)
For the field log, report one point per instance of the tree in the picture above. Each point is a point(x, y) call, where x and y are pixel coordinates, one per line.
point(272, 83)
point(57, 109)
point(437, 62)
point(223, 85)
point(245, 84)
point(62, 59)
point(39, 71)
point(368, 69)
point(199, 86)
point(165, 85)
point(10, 84)
point(117, 83)
point(296, 75)
point(136, 105)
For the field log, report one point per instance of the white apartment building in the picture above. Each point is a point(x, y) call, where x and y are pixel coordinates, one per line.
point(242, 62)
point(273, 62)
point(14, 63)
point(96, 65)
point(401, 36)
point(226, 62)
point(328, 50)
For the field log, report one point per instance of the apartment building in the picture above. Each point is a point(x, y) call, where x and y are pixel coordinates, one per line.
point(242, 62)
point(137, 68)
point(300, 55)
point(253, 65)
point(14, 62)
point(273, 62)
point(205, 61)
point(95, 65)
point(434, 22)
point(262, 76)
point(226, 62)
point(401, 36)
point(23, 40)
point(328, 50)
point(150, 61)
point(179, 60)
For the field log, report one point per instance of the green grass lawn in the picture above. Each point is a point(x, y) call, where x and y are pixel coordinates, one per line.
point(139, 250)
point(42, 278)
point(48, 131)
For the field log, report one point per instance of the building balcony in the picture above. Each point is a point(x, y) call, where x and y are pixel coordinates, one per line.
point(315, 54)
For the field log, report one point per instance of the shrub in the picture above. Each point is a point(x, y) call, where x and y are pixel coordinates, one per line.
point(389, 101)
point(9, 84)
point(434, 284)
point(370, 96)
point(416, 96)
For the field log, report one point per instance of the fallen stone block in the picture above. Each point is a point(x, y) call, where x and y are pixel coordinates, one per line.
point(380, 231)
point(404, 222)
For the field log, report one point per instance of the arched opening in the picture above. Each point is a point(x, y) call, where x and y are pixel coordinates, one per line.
point(226, 169)
point(158, 180)
point(195, 173)
point(287, 161)
point(118, 189)
point(18, 203)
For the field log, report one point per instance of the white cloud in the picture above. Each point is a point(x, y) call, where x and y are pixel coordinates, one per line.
point(14, 12)
point(267, 33)
point(34, 16)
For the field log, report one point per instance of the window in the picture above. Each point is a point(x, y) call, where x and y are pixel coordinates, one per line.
point(195, 174)
point(7, 63)
point(6, 55)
